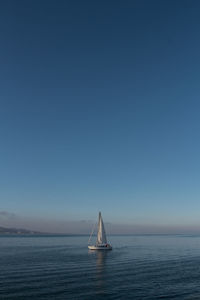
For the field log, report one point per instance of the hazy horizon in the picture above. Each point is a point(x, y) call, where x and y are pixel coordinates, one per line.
point(45, 225)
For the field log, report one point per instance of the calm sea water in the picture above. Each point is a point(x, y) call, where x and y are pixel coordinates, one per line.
point(61, 267)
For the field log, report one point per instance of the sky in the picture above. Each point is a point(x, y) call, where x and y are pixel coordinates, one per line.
point(99, 111)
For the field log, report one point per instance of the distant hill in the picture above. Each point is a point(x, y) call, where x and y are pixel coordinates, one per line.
point(4, 230)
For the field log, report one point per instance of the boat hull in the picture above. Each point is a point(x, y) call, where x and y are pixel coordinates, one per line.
point(103, 247)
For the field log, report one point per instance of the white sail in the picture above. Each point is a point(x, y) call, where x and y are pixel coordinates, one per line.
point(101, 236)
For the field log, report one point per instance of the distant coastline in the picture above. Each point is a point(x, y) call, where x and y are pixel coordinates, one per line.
point(17, 231)
point(21, 231)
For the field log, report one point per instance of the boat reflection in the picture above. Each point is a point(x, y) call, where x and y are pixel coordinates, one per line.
point(101, 257)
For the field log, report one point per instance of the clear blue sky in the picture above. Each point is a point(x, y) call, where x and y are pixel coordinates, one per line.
point(100, 110)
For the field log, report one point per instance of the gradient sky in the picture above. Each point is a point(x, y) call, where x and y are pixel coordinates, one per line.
point(100, 110)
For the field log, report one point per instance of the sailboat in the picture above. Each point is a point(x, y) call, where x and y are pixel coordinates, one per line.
point(101, 243)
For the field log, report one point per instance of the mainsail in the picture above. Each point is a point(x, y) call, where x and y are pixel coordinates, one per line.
point(101, 236)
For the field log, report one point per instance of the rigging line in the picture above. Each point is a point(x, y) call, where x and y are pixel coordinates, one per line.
point(92, 232)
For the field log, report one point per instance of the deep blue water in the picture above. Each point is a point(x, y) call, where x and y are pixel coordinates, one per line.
point(61, 267)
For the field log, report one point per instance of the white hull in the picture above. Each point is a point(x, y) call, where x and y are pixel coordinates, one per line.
point(102, 247)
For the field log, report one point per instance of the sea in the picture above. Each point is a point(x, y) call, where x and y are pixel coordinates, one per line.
point(62, 267)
